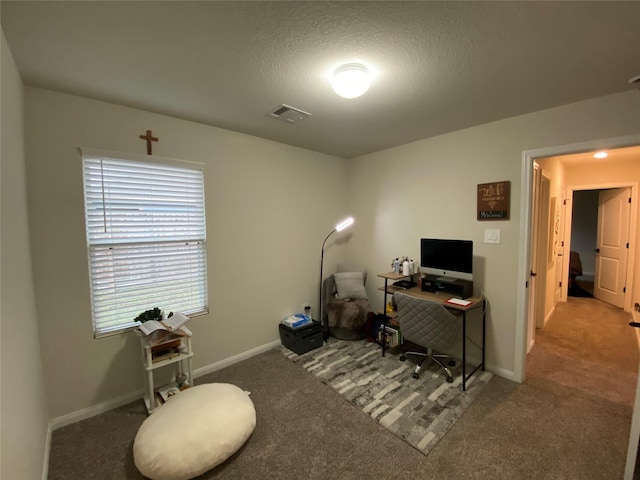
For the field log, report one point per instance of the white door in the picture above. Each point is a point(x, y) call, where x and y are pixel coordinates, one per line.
point(612, 248)
point(543, 245)
point(559, 249)
point(533, 260)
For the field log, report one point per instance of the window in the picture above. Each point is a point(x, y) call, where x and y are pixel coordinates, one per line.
point(146, 238)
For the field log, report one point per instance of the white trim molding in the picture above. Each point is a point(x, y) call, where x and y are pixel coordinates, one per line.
point(99, 408)
point(47, 452)
point(524, 250)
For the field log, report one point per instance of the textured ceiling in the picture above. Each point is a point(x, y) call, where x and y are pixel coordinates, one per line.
point(440, 66)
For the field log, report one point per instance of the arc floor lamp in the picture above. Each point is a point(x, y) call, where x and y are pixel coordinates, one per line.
point(346, 223)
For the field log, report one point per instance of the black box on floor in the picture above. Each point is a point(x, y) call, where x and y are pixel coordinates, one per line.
point(303, 339)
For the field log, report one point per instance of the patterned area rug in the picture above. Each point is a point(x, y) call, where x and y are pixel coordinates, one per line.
point(419, 411)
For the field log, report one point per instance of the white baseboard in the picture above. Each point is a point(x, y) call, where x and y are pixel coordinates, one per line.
point(546, 319)
point(99, 408)
point(47, 452)
point(199, 372)
point(501, 372)
point(94, 410)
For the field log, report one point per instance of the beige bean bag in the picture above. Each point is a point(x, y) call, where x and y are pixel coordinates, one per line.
point(194, 431)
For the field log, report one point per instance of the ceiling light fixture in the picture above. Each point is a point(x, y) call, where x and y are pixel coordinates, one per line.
point(600, 154)
point(351, 80)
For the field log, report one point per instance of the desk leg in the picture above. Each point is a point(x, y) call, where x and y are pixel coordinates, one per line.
point(464, 350)
point(484, 327)
point(464, 345)
point(384, 321)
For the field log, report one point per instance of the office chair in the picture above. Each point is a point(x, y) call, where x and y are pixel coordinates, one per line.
point(430, 325)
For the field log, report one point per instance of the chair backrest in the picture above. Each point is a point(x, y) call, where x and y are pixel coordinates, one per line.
point(427, 323)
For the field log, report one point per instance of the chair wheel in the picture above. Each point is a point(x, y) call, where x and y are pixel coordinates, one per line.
point(450, 379)
point(415, 375)
point(452, 363)
point(402, 358)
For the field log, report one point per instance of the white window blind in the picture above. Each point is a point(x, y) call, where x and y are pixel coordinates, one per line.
point(146, 239)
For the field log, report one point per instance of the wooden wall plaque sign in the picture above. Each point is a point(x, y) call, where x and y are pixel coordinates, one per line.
point(494, 200)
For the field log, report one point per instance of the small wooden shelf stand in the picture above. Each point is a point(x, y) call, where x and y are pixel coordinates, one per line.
point(183, 362)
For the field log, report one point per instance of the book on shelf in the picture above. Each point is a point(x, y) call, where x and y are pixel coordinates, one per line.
point(165, 354)
point(168, 391)
point(390, 335)
point(174, 323)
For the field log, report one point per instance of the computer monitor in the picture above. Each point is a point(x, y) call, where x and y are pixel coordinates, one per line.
point(447, 258)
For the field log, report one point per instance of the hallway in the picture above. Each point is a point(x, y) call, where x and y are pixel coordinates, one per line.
point(586, 360)
point(587, 345)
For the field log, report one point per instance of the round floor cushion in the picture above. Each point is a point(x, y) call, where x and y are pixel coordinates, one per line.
point(194, 431)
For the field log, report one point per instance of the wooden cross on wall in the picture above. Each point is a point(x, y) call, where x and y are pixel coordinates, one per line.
point(149, 138)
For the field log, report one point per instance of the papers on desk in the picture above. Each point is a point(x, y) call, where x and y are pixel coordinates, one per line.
point(458, 302)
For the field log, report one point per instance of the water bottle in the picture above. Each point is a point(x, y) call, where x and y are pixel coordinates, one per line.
point(412, 267)
point(396, 266)
point(405, 268)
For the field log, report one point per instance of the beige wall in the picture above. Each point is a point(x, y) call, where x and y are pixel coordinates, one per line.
point(428, 188)
point(268, 209)
point(24, 410)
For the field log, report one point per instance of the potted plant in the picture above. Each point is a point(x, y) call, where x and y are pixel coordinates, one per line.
point(153, 314)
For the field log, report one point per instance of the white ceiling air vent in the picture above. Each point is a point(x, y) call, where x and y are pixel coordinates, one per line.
point(288, 114)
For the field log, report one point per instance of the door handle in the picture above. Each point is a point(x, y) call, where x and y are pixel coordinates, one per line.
point(597, 250)
point(634, 324)
point(533, 274)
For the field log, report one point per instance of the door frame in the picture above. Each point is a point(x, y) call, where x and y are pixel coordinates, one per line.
point(543, 247)
point(524, 246)
point(632, 232)
point(536, 187)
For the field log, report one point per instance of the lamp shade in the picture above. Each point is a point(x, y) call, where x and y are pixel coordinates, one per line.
point(351, 80)
point(346, 223)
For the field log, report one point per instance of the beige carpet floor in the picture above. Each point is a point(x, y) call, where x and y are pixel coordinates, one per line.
point(569, 420)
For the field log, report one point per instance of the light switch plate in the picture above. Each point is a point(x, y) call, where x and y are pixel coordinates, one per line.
point(491, 235)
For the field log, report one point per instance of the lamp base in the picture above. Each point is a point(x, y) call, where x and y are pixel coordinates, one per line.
point(325, 332)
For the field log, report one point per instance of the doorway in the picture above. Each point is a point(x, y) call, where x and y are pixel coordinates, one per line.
point(584, 213)
point(578, 181)
point(600, 244)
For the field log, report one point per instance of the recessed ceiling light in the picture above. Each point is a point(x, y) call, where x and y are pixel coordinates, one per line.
point(601, 155)
point(351, 80)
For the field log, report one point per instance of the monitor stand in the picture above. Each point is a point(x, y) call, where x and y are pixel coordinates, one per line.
point(447, 279)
